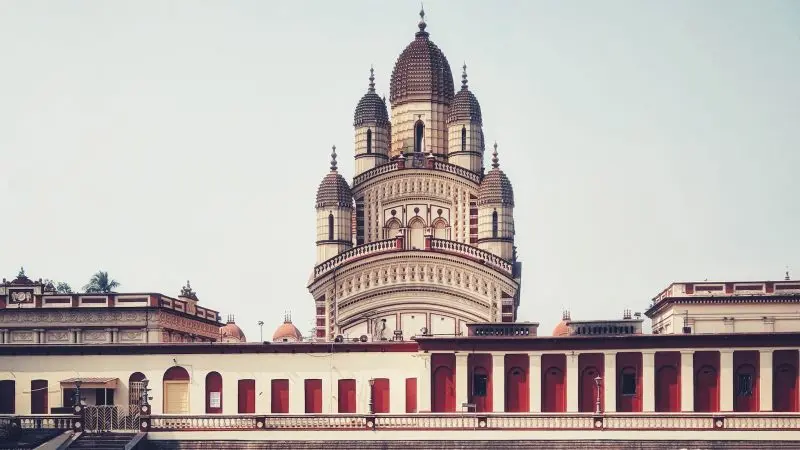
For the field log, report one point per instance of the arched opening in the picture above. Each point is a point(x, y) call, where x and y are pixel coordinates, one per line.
point(417, 233)
point(784, 388)
point(668, 392)
point(587, 396)
point(706, 390)
point(369, 140)
point(7, 395)
point(746, 389)
point(553, 392)
point(419, 137)
point(494, 223)
point(176, 391)
point(135, 389)
point(392, 228)
point(330, 226)
point(39, 394)
point(440, 229)
point(517, 390)
point(213, 393)
point(444, 390)
point(479, 389)
point(463, 138)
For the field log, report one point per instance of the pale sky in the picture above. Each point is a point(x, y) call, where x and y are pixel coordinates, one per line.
point(647, 141)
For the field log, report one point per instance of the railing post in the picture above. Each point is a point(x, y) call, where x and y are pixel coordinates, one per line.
point(401, 161)
point(80, 422)
point(398, 241)
point(261, 422)
point(597, 422)
point(144, 418)
point(428, 238)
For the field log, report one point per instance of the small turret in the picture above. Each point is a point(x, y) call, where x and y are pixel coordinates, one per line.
point(371, 123)
point(334, 214)
point(496, 212)
point(465, 129)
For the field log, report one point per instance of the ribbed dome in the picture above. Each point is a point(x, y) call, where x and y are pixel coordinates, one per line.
point(334, 190)
point(371, 108)
point(231, 332)
point(465, 106)
point(495, 186)
point(421, 72)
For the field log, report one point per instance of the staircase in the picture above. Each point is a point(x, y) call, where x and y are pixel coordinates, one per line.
point(102, 441)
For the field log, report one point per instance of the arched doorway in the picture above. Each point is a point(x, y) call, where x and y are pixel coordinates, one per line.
point(213, 393)
point(706, 390)
point(517, 390)
point(417, 233)
point(135, 390)
point(440, 229)
point(392, 228)
point(479, 389)
point(745, 397)
point(553, 398)
point(784, 388)
point(444, 390)
point(419, 137)
point(176, 391)
point(667, 390)
point(587, 397)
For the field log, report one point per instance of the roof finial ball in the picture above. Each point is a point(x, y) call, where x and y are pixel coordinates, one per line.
point(333, 159)
point(371, 79)
point(464, 76)
point(495, 159)
point(422, 24)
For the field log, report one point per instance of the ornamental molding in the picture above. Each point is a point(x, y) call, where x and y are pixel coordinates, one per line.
point(71, 317)
point(186, 325)
point(423, 184)
point(57, 336)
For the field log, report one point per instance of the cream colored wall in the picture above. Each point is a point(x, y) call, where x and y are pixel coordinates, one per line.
point(261, 367)
point(473, 162)
point(406, 115)
point(380, 147)
point(505, 229)
point(711, 318)
point(342, 231)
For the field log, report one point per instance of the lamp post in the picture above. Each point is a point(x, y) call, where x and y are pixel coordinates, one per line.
point(597, 380)
point(371, 396)
point(261, 329)
point(145, 392)
point(78, 392)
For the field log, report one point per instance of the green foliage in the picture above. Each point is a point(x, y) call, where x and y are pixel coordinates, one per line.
point(101, 283)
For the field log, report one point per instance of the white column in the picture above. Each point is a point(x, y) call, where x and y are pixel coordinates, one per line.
point(297, 395)
point(230, 392)
point(424, 383)
point(197, 393)
point(572, 382)
point(461, 380)
point(687, 380)
point(610, 382)
point(397, 395)
point(329, 386)
point(498, 382)
point(535, 381)
point(765, 380)
point(263, 394)
point(648, 381)
point(726, 380)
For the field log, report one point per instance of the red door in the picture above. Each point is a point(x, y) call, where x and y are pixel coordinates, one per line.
point(380, 399)
point(411, 395)
point(588, 390)
point(313, 388)
point(444, 390)
point(706, 390)
point(480, 399)
point(7, 395)
point(39, 397)
point(553, 398)
point(213, 393)
point(247, 396)
point(667, 390)
point(347, 396)
point(280, 396)
point(784, 390)
point(517, 390)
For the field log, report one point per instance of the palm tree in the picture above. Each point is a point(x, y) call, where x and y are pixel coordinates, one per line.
point(101, 283)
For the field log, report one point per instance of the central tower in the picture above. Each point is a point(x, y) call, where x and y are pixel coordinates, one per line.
point(422, 241)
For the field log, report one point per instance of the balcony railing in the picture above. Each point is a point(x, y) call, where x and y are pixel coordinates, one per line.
point(40, 421)
point(361, 251)
point(490, 259)
point(478, 421)
point(408, 164)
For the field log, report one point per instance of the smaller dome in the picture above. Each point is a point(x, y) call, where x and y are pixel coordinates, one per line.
point(371, 108)
point(562, 329)
point(287, 332)
point(495, 186)
point(334, 190)
point(465, 106)
point(231, 332)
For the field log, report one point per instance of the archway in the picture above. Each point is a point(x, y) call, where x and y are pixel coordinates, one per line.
point(440, 228)
point(784, 390)
point(392, 228)
point(745, 397)
point(587, 396)
point(176, 391)
point(213, 393)
point(417, 233)
point(706, 390)
point(553, 393)
point(419, 137)
point(444, 390)
point(517, 390)
point(135, 389)
point(667, 390)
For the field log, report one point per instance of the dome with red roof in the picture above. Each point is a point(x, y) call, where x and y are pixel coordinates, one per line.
point(231, 332)
point(562, 328)
point(287, 332)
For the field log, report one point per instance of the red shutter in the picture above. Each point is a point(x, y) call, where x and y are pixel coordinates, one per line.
point(213, 384)
point(38, 396)
point(380, 395)
point(411, 395)
point(313, 396)
point(347, 396)
point(280, 396)
point(247, 396)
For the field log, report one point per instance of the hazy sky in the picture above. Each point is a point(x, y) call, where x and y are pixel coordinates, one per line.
point(648, 141)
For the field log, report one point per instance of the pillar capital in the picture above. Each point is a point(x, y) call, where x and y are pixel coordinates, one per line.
point(687, 352)
point(648, 352)
point(726, 350)
point(610, 352)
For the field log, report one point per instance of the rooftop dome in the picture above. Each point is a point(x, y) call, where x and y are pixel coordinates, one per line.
point(465, 106)
point(421, 72)
point(495, 186)
point(334, 190)
point(231, 332)
point(287, 332)
point(371, 108)
point(562, 328)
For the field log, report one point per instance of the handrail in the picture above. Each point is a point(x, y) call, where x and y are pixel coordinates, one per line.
point(133, 443)
point(375, 171)
point(371, 248)
point(437, 165)
point(488, 258)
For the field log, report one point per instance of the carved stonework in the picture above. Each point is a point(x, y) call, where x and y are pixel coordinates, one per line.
point(95, 336)
point(72, 317)
point(135, 336)
point(57, 336)
point(22, 336)
point(188, 326)
point(16, 297)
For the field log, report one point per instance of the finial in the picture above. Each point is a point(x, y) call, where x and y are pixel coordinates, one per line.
point(21, 273)
point(333, 159)
point(565, 315)
point(371, 79)
point(464, 76)
point(231, 318)
point(287, 317)
point(422, 24)
point(786, 278)
point(495, 159)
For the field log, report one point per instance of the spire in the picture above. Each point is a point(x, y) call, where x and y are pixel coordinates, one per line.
point(371, 79)
point(495, 159)
point(333, 159)
point(464, 77)
point(422, 23)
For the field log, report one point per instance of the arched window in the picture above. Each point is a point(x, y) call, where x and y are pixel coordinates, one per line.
point(392, 228)
point(330, 226)
point(440, 229)
point(369, 140)
point(463, 139)
point(494, 224)
point(419, 136)
point(417, 231)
